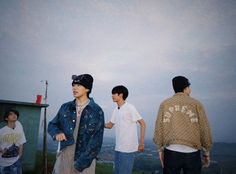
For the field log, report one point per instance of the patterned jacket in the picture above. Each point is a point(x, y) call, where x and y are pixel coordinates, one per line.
point(182, 120)
point(90, 132)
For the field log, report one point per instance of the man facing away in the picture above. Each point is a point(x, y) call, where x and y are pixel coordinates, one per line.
point(79, 127)
point(182, 131)
point(125, 118)
point(12, 138)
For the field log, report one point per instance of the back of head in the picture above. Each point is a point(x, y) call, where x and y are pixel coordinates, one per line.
point(120, 89)
point(180, 83)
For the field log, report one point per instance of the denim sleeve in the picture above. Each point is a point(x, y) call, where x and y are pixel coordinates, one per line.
point(94, 145)
point(53, 126)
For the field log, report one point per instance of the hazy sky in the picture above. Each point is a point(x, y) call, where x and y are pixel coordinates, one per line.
point(141, 44)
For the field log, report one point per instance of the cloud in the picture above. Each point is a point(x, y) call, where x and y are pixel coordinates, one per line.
point(141, 44)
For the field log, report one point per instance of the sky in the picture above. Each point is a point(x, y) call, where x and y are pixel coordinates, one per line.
point(141, 44)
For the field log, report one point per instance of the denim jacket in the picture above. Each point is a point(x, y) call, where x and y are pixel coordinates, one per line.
point(90, 133)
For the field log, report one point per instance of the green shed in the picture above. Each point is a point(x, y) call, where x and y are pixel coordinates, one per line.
point(30, 119)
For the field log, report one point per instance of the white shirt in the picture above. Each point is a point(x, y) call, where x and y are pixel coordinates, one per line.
point(125, 120)
point(181, 148)
point(10, 140)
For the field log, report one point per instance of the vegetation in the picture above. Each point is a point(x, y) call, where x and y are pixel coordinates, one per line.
point(39, 164)
point(223, 161)
point(100, 168)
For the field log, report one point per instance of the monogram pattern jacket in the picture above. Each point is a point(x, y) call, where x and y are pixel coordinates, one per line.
point(90, 132)
point(182, 120)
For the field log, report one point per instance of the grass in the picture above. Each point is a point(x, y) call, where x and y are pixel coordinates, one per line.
point(39, 164)
point(100, 168)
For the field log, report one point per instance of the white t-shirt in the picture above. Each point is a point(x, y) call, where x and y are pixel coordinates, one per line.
point(10, 140)
point(181, 148)
point(125, 120)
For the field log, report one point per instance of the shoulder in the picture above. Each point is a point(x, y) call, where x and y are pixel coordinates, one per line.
point(67, 105)
point(19, 127)
point(18, 124)
point(166, 101)
point(129, 105)
point(3, 129)
point(131, 108)
point(195, 101)
point(2, 124)
point(95, 107)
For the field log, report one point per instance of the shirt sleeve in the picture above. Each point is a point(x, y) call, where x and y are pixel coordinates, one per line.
point(54, 125)
point(113, 118)
point(22, 139)
point(158, 131)
point(135, 114)
point(206, 136)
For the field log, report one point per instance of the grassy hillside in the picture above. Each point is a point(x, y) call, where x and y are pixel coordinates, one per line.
point(100, 168)
point(223, 162)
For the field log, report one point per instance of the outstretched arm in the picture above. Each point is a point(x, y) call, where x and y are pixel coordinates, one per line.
point(109, 125)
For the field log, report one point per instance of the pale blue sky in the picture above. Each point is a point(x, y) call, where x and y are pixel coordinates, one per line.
point(142, 44)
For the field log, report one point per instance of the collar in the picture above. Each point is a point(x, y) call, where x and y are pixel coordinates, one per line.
point(180, 94)
point(90, 104)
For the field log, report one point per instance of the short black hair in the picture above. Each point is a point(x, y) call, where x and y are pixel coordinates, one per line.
point(179, 83)
point(7, 113)
point(120, 89)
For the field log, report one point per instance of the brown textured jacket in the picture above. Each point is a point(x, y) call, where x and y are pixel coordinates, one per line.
point(182, 120)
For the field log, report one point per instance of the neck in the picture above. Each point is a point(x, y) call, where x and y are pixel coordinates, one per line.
point(11, 125)
point(186, 92)
point(120, 103)
point(82, 100)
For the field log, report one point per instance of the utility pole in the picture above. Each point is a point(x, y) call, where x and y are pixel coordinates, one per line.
point(45, 165)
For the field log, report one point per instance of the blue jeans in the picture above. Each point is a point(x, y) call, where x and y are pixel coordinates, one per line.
point(12, 169)
point(123, 162)
point(174, 162)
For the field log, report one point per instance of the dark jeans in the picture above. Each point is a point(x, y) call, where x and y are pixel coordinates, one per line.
point(174, 162)
point(13, 169)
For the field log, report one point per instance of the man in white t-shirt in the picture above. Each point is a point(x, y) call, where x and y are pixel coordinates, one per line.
point(125, 118)
point(12, 138)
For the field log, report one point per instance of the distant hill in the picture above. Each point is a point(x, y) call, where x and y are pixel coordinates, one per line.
point(223, 156)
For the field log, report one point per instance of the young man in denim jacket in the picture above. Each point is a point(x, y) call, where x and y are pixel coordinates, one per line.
point(79, 127)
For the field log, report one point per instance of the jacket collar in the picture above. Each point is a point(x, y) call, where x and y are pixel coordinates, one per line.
point(90, 104)
point(180, 94)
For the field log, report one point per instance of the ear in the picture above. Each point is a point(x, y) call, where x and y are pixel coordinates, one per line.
point(187, 90)
point(121, 95)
